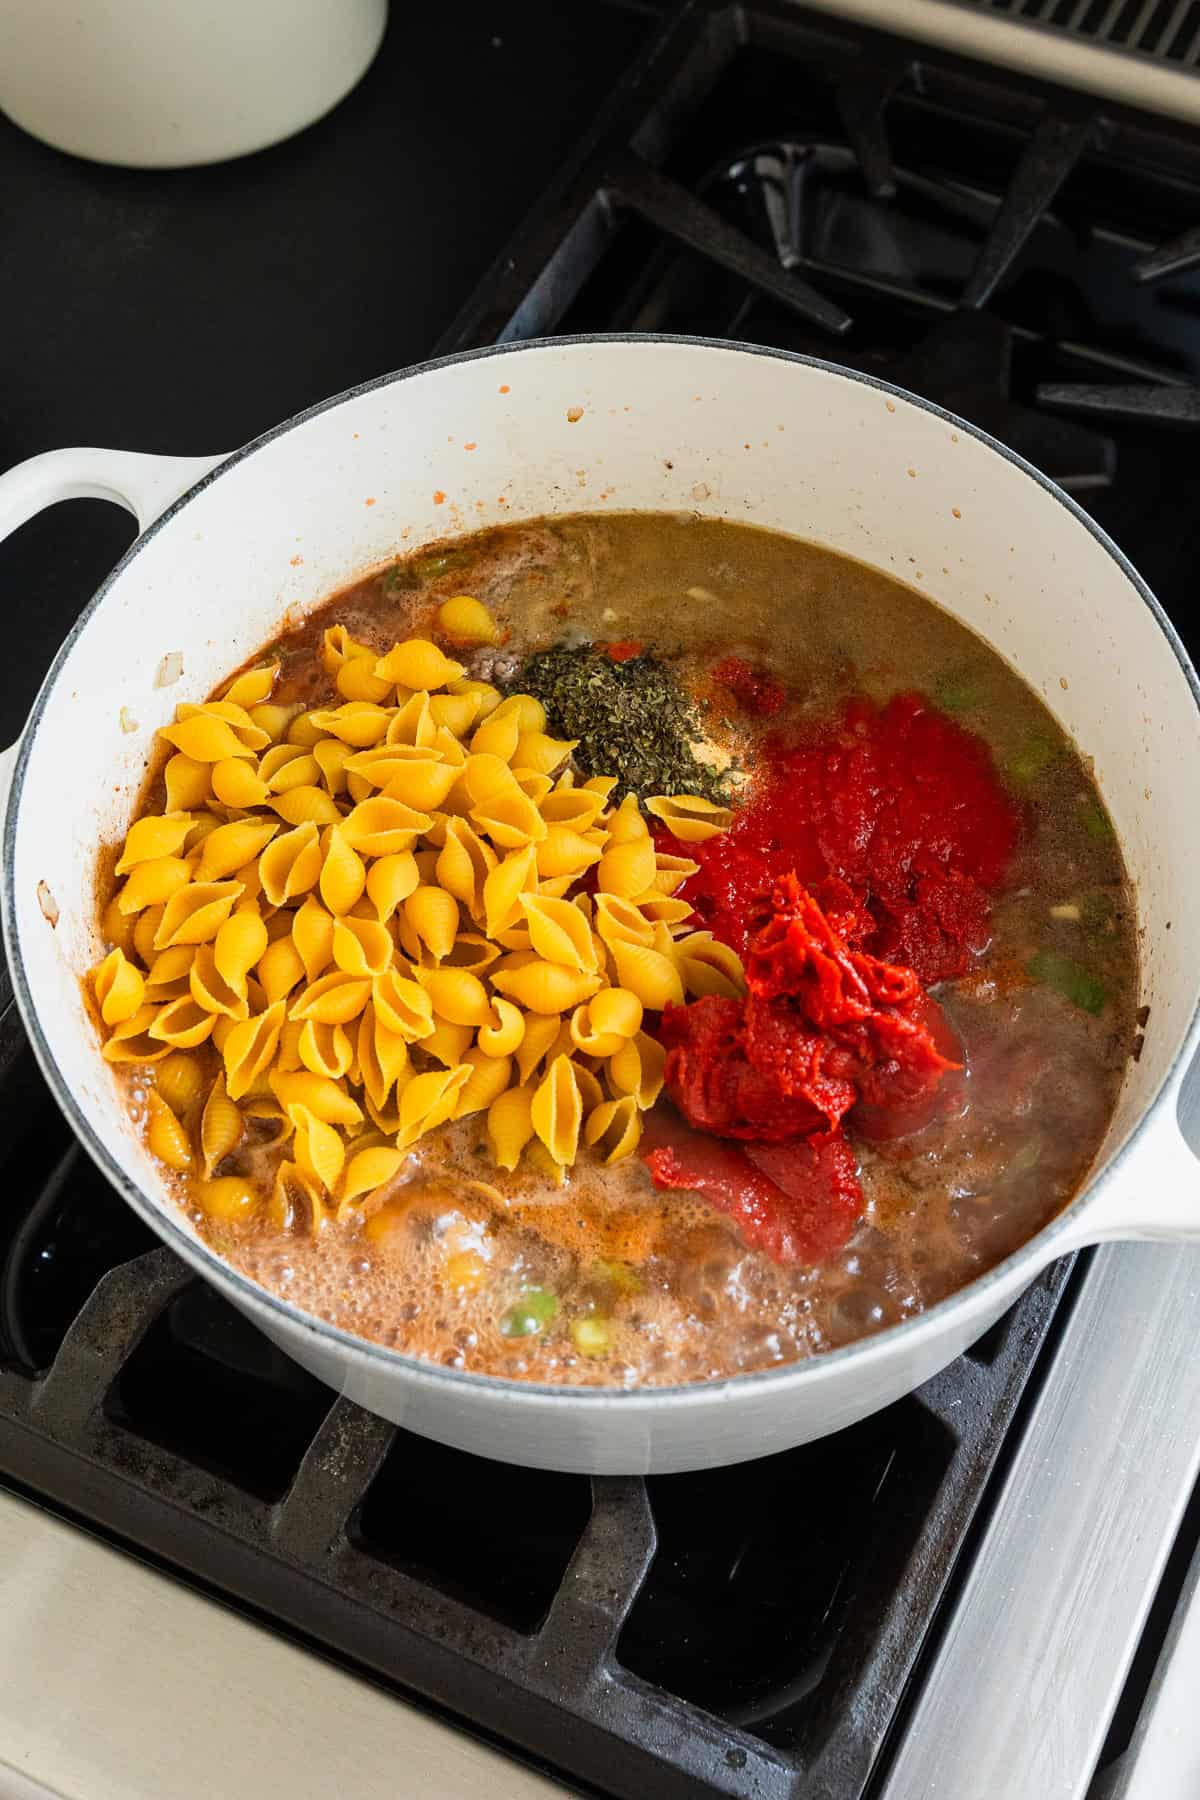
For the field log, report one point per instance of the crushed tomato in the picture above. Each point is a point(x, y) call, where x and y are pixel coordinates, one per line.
point(900, 803)
point(825, 1026)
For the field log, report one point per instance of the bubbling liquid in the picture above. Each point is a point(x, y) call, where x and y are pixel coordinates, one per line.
point(606, 1281)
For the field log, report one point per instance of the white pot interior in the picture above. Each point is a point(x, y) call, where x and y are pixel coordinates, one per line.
point(593, 426)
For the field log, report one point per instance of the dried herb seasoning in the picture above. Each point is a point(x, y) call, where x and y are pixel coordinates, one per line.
point(631, 719)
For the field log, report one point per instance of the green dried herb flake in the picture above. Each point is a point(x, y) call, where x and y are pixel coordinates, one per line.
point(630, 719)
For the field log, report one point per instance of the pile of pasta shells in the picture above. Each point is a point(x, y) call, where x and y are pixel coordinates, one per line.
point(355, 923)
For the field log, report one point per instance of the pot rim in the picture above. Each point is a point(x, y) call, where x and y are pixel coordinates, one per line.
point(1020, 1267)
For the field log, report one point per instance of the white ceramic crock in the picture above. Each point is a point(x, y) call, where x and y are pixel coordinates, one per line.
point(164, 84)
point(743, 434)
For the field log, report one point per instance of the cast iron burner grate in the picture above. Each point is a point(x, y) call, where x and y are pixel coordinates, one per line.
point(784, 179)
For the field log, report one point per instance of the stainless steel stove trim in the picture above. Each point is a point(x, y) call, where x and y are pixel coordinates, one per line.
point(1020, 43)
point(1019, 1696)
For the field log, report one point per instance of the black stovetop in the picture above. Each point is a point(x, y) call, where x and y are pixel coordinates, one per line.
point(751, 172)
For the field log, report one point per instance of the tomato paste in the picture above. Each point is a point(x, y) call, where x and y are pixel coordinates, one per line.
point(899, 802)
point(824, 1026)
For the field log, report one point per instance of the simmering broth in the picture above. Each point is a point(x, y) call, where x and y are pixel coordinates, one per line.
point(609, 1279)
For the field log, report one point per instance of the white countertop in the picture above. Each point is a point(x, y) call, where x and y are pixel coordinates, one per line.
point(118, 1683)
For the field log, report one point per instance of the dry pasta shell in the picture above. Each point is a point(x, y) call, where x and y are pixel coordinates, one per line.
point(585, 1036)
point(343, 873)
point(238, 945)
point(325, 1098)
point(627, 869)
point(556, 1112)
point(291, 865)
point(273, 717)
point(432, 915)
point(457, 996)
point(665, 909)
point(381, 827)
point(504, 1029)
point(361, 946)
point(417, 663)
point(617, 1010)
point(236, 783)
point(295, 768)
point(171, 967)
point(619, 921)
point(206, 739)
point(414, 723)
point(498, 735)
point(709, 967)
point(572, 807)
point(370, 1169)
point(145, 931)
point(510, 1126)
point(638, 1069)
point(649, 974)
point(154, 883)
point(489, 697)
point(221, 1127)
point(358, 722)
point(502, 890)
point(428, 1101)
point(625, 824)
point(182, 1024)
point(356, 678)
point(422, 782)
point(614, 1129)
point(280, 969)
point(382, 1055)
point(563, 853)
point(338, 648)
point(130, 1041)
point(543, 754)
point(252, 686)
point(448, 1043)
point(670, 872)
point(391, 880)
point(332, 999)
point(545, 987)
point(312, 934)
point(331, 757)
point(306, 805)
point(319, 1151)
point(403, 1006)
point(490, 1076)
point(689, 818)
point(180, 1078)
point(456, 712)
point(186, 782)
point(165, 1135)
point(249, 1049)
point(116, 927)
point(119, 988)
point(540, 1032)
point(510, 818)
point(196, 913)
point(211, 991)
point(559, 933)
point(325, 1049)
point(158, 835)
point(464, 864)
point(296, 1204)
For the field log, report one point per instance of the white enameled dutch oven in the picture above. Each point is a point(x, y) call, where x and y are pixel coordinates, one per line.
point(231, 547)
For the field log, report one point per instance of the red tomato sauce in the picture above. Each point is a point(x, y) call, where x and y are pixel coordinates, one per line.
point(857, 873)
point(899, 802)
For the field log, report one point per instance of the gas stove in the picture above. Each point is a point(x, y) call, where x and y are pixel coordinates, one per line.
point(966, 1593)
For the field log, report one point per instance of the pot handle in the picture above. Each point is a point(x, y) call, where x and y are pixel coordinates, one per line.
point(1164, 1203)
point(144, 485)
